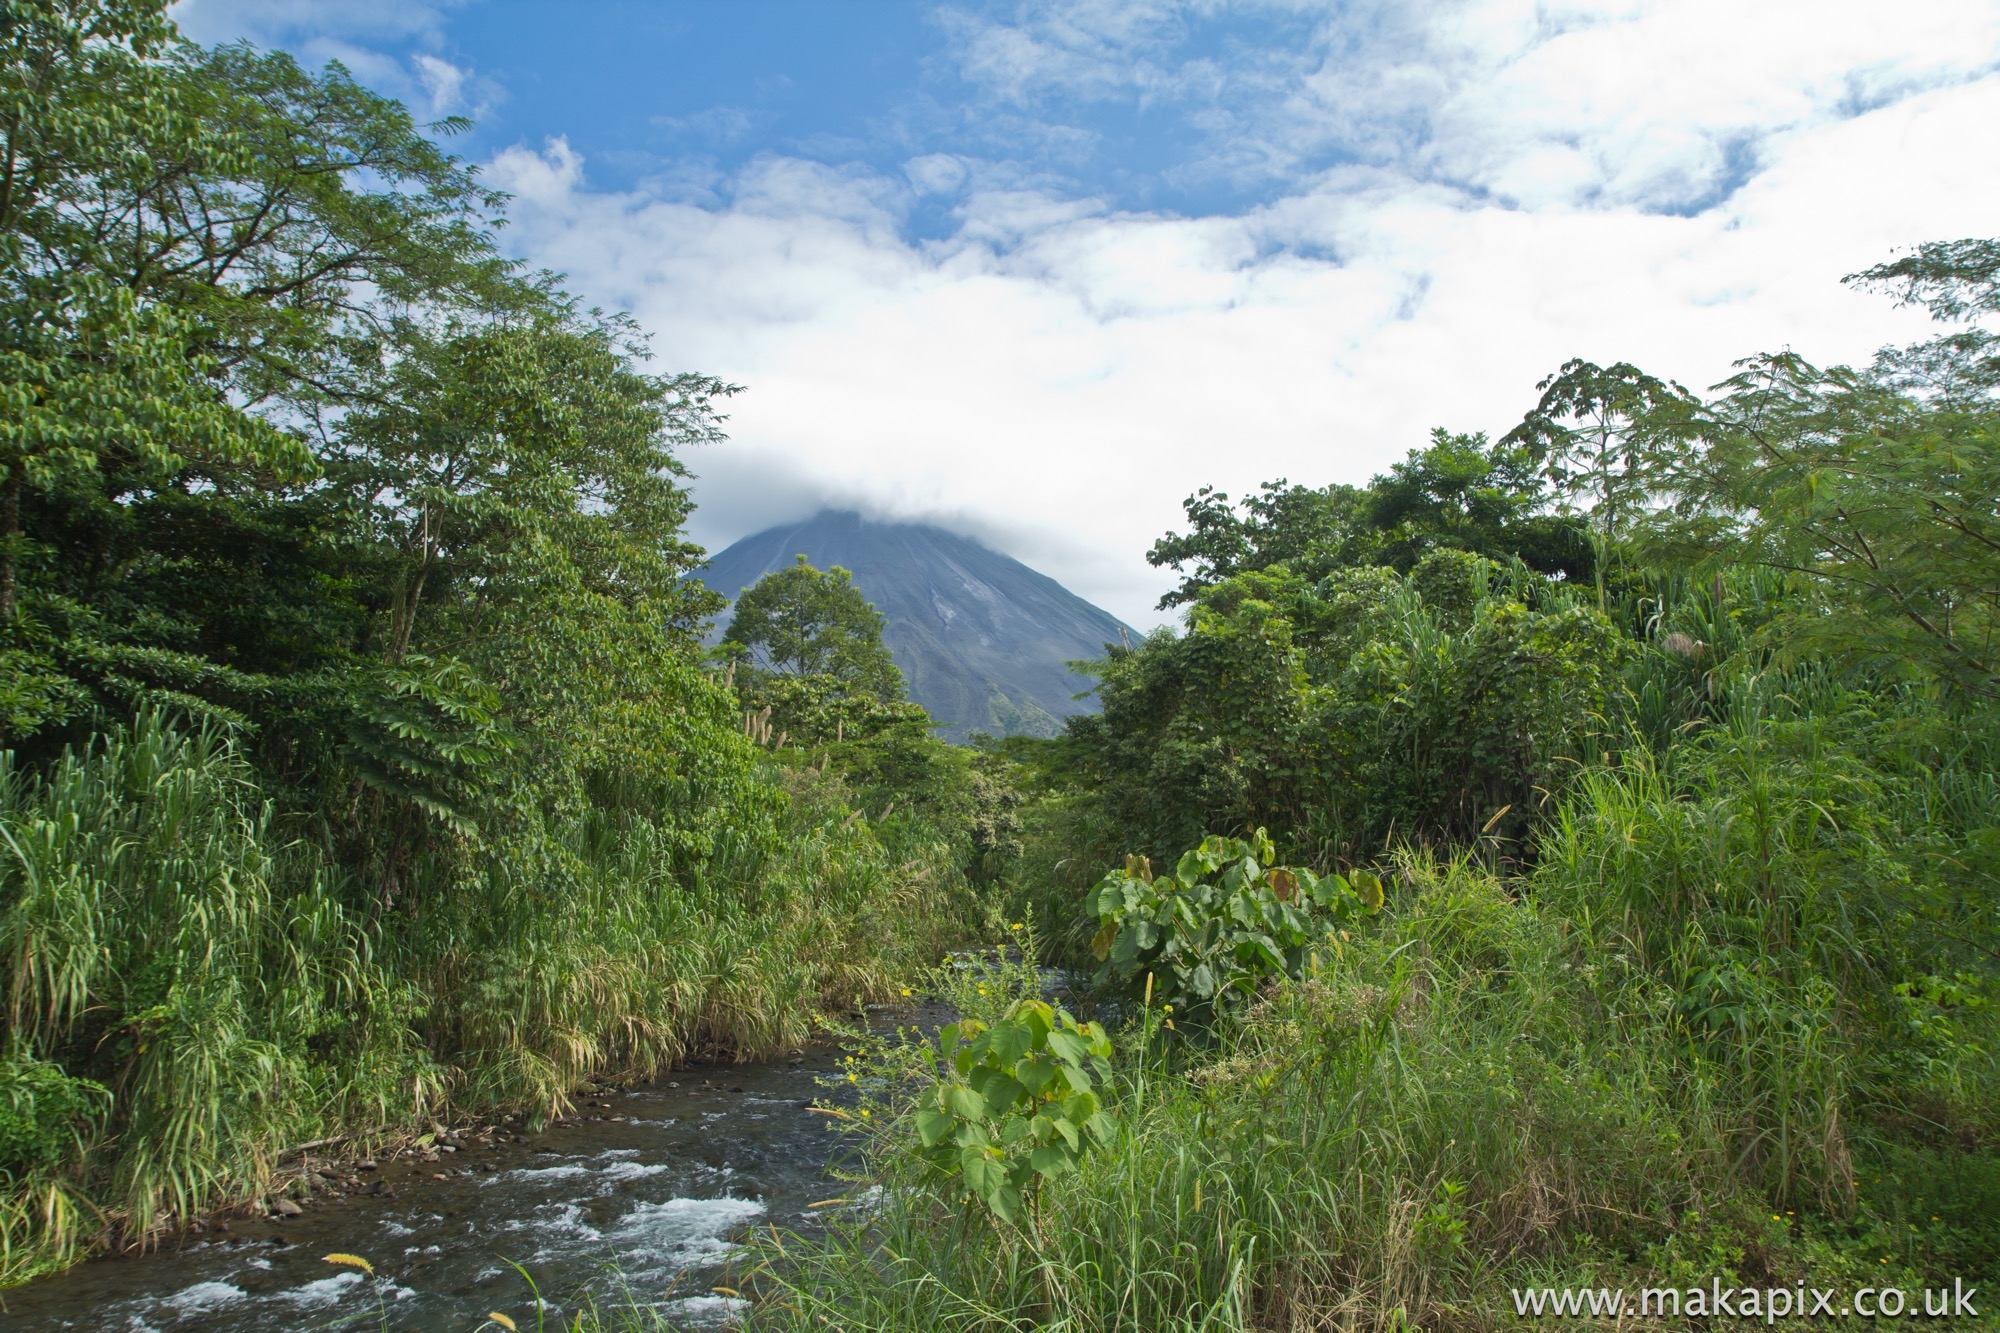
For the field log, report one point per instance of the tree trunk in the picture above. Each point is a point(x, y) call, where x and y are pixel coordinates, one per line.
point(10, 541)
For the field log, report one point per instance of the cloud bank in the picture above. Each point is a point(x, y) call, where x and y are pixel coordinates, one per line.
point(1444, 202)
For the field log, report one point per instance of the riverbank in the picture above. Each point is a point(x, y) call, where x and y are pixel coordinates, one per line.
point(225, 999)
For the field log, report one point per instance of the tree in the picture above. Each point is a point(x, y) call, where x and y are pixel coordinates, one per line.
point(90, 373)
point(1596, 433)
point(207, 258)
point(1873, 488)
point(1460, 492)
point(1285, 523)
point(1464, 493)
point(1336, 713)
point(801, 621)
point(1955, 280)
point(1881, 503)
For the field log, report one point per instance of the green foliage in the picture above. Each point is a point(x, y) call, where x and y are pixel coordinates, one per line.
point(428, 734)
point(1284, 524)
point(1597, 434)
point(428, 800)
point(1460, 493)
point(1786, 883)
point(1697, 972)
point(364, 767)
point(45, 1116)
point(1466, 494)
point(1954, 280)
point(181, 234)
point(1875, 496)
point(807, 622)
point(1334, 712)
point(1225, 922)
point(160, 941)
point(1467, 1099)
point(1015, 1101)
point(816, 709)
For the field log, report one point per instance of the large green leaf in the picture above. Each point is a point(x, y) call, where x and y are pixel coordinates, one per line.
point(1052, 1160)
point(1002, 1092)
point(934, 1126)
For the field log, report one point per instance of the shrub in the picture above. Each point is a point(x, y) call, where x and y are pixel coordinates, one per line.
point(1226, 920)
point(44, 1116)
point(1014, 1102)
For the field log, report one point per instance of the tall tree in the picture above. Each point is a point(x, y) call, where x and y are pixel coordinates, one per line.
point(207, 258)
point(1597, 433)
point(802, 621)
point(93, 375)
point(1296, 525)
point(1464, 492)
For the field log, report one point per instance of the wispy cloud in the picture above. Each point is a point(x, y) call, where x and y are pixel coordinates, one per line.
point(359, 34)
point(1659, 105)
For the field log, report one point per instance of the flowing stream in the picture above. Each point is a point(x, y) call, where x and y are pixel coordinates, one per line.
point(643, 1196)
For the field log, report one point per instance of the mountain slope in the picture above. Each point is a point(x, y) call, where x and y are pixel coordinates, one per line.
point(980, 638)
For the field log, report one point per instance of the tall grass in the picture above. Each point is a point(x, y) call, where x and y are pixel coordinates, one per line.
point(1448, 1094)
point(156, 939)
point(1738, 973)
point(230, 996)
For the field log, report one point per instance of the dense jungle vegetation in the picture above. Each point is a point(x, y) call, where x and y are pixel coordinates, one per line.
point(1569, 858)
point(363, 769)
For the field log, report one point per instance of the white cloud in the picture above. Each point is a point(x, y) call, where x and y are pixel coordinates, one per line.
point(444, 81)
point(936, 173)
point(1658, 103)
point(1062, 374)
point(1461, 195)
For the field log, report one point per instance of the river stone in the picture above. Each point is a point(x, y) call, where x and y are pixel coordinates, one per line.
point(286, 1208)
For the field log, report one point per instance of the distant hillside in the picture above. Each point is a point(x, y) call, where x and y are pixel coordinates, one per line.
point(980, 638)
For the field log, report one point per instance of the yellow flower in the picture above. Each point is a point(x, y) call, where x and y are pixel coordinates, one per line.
point(350, 1261)
point(850, 1078)
point(906, 992)
point(864, 1113)
point(1015, 926)
point(1166, 1009)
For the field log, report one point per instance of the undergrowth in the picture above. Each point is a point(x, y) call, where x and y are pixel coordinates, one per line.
point(188, 993)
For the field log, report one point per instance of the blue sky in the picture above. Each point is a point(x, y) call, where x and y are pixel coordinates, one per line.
point(1038, 270)
point(679, 96)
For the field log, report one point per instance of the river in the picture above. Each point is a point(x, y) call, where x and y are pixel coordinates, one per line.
point(648, 1192)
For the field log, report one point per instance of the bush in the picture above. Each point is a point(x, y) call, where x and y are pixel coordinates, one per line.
point(45, 1117)
point(1014, 1102)
point(1209, 935)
